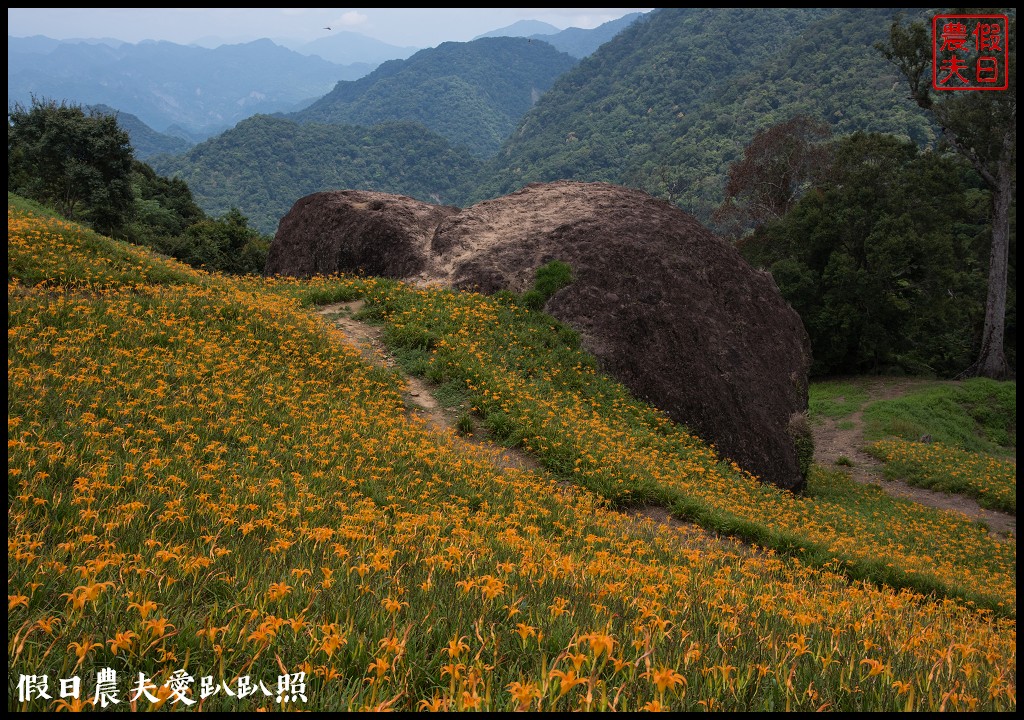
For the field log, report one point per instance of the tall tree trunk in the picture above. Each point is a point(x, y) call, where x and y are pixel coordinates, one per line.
point(992, 359)
point(908, 49)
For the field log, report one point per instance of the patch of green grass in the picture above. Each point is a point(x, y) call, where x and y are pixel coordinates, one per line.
point(330, 294)
point(834, 399)
point(415, 361)
point(977, 415)
point(452, 394)
point(465, 424)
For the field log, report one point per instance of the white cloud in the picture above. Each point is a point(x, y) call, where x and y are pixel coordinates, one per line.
point(352, 19)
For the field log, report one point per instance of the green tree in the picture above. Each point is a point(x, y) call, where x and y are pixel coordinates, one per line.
point(164, 206)
point(79, 163)
point(226, 244)
point(883, 259)
point(982, 127)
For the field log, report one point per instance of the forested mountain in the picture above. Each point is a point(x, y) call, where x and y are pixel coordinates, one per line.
point(146, 141)
point(416, 127)
point(664, 106)
point(204, 91)
point(669, 102)
point(473, 94)
point(264, 164)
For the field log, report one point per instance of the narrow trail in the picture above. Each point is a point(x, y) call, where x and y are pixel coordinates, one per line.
point(835, 439)
point(421, 401)
point(418, 394)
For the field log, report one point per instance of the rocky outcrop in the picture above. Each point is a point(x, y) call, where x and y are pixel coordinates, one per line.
point(670, 309)
point(355, 231)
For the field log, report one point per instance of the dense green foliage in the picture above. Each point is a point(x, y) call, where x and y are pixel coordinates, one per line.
point(168, 220)
point(982, 128)
point(226, 244)
point(884, 260)
point(473, 94)
point(668, 103)
point(978, 414)
point(264, 164)
point(163, 206)
point(80, 163)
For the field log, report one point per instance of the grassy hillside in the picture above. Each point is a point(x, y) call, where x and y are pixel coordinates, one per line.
point(204, 476)
point(956, 437)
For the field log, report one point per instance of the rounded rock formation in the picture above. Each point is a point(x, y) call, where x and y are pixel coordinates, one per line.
point(354, 231)
point(669, 309)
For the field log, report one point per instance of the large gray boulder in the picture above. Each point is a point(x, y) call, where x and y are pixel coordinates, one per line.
point(669, 309)
point(354, 231)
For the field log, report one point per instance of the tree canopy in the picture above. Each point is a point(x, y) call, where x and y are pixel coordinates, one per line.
point(982, 127)
point(78, 162)
point(883, 259)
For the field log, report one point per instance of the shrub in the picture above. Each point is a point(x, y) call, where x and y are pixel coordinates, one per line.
point(548, 280)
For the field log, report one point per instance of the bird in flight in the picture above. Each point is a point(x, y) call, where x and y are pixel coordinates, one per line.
point(326, 28)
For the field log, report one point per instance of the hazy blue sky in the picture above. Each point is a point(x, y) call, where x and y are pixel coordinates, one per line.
point(404, 27)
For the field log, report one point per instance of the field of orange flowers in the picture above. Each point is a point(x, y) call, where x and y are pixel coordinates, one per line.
point(991, 480)
point(215, 503)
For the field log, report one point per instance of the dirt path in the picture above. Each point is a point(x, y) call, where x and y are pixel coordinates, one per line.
point(835, 439)
point(418, 394)
point(421, 401)
point(832, 439)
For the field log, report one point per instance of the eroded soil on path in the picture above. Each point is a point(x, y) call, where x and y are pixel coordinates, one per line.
point(418, 392)
point(844, 438)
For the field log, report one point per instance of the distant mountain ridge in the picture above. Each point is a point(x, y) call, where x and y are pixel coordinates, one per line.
point(351, 48)
point(195, 91)
point(202, 90)
point(522, 28)
point(146, 141)
point(580, 43)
